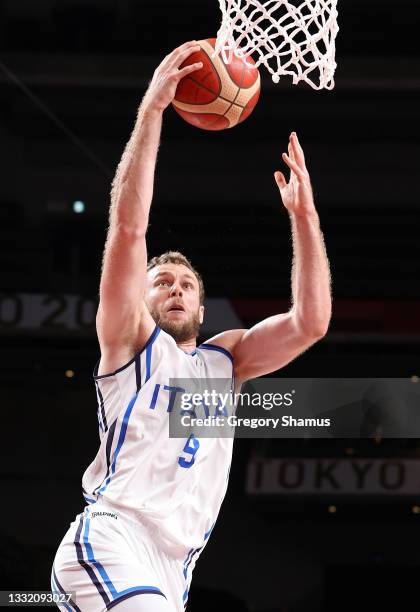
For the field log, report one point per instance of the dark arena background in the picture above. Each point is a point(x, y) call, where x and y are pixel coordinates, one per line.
point(72, 74)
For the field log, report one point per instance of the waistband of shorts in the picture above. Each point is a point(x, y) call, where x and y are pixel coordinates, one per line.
point(141, 525)
point(127, 514)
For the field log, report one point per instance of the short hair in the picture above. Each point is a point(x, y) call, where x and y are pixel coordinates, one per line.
point(175, 257)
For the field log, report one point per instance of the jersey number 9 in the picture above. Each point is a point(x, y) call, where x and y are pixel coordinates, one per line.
point(191, 447)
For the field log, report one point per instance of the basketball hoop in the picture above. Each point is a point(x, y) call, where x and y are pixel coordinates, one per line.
point(295, 38)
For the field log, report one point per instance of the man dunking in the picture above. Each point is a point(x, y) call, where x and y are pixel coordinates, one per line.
point(152, 500)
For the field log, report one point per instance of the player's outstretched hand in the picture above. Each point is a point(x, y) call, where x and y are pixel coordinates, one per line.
point(167, 75)
point(297, 193)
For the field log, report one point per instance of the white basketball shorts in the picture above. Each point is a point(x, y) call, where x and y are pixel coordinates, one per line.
point(110, 561)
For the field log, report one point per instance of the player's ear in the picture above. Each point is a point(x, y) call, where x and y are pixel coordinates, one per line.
point(201, 314)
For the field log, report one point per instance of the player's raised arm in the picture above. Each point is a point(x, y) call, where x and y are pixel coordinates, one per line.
point(274, 342)
point(122, 319)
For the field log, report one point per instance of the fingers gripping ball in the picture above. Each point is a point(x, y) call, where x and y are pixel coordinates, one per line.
point(218, 95)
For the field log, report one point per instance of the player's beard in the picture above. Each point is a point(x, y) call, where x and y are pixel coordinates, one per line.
point(181, 331)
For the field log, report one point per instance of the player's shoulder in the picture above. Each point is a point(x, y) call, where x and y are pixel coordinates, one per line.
point(119, 354)
point(226, 341)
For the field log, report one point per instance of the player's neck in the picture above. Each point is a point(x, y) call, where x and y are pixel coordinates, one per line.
point(188, 346)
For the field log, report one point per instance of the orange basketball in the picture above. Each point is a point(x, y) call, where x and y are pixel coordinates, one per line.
point(218, 95)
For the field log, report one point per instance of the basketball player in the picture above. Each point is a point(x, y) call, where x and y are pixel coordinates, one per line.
point(152, 501)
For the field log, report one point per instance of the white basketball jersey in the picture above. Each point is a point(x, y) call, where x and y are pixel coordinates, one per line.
point(138, 467)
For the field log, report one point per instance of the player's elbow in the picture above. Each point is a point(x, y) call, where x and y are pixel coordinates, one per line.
point(129, 231)
point(319, 331)
point(313, 329)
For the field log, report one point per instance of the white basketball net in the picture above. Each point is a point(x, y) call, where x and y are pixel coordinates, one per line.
point(295, 38)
